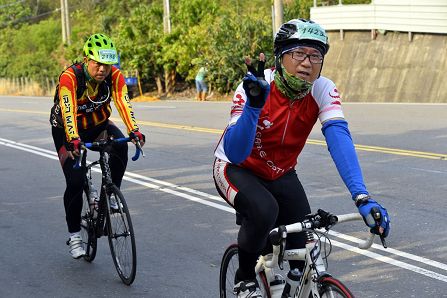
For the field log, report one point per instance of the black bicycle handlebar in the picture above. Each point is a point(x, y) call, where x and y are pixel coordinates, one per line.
point(102, 143)
point(321, 219)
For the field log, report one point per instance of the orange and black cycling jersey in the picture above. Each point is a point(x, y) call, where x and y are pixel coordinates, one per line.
point(84, 113)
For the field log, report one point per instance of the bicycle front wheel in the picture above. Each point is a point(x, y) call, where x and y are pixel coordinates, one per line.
point(121, 236)
point(329, 287)
point(88, 230)
point(228, 267)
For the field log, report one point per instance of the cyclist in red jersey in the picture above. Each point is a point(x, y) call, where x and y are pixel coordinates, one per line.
point(272, 115)
point(81, 114)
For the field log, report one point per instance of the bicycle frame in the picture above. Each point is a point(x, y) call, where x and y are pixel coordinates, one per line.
point(103, 220)
point(315, 267)
point(106, 182)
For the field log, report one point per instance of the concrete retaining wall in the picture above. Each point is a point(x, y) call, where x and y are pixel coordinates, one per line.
point(389, 68)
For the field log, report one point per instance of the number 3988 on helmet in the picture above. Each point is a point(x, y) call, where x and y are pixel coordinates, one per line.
point(300, 32)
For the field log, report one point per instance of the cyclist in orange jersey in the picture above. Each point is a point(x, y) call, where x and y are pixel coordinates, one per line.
point(81, 113)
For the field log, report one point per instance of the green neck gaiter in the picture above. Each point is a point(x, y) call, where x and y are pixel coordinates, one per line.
point(87, 75)
point(291, 86)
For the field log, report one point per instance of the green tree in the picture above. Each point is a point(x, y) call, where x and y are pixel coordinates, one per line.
point(29, 50)
point(191, 21)
point(13, 13)
point(140, 42)
point(218, 33)
point(219, 36)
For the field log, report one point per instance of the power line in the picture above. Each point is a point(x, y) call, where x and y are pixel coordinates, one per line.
point(11, 4)
point(24, 19)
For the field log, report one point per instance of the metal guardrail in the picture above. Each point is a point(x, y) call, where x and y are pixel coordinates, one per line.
point(428, 16)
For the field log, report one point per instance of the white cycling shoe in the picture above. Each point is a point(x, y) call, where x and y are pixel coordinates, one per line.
point(114, 204)
point(247, 289)
point(76, 248)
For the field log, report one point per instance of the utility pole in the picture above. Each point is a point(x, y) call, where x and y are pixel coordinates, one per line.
point(67, 22)
point(169, 80)
point(277, 16)
point(166, 17)
point(66, 31)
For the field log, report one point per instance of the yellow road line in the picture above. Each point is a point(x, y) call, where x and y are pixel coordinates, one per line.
point(422, 154)
point(177, 126)
point(394, 151)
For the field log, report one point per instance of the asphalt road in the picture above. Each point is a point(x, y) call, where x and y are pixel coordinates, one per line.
point(182, 226)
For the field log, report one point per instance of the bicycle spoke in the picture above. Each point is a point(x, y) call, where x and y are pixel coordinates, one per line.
point(231, 273)
point(87, 231)
point(122, 239)
point(229, 265)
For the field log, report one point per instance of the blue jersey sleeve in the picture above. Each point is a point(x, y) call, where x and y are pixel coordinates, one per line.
point(239, 138)
point(341, 148)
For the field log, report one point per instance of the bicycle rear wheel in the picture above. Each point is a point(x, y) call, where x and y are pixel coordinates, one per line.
point(87, 230)
point(228, 267)
point(121, 237)
point(330, 287)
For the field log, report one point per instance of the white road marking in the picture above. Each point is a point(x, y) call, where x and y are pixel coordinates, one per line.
point(192, 194)
point(391, 261)
point(429, 171)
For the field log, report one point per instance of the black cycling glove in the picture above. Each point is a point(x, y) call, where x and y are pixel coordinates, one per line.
point(256, 87)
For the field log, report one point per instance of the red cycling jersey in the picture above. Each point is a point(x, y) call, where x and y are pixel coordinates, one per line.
point(284, 126)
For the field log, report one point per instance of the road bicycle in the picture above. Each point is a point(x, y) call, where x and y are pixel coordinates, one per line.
point(108, 214)
point(314, 281)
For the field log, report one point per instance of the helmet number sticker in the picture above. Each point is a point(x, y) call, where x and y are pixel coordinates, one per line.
point(313, 31)
point(107, 55)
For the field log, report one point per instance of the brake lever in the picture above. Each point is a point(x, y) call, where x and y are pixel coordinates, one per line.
point(78, 159)
point(138, 151)
point(383, 241)
point(140, 148)
point(377, 217)
point(283, 235)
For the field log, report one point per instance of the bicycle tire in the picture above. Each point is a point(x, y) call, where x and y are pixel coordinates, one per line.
point(228, 267)
point(333, 288)
point(87, 230)
point(121, 238)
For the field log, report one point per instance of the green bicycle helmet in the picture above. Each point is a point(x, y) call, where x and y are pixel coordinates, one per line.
point(300, 32)
point(100, 47)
